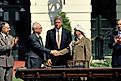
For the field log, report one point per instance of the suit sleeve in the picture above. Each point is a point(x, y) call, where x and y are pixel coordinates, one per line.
point(111, 42)
point(63, 51)
point(88, 49)
point(36, 45)
point(47, 43)
point(69, 38)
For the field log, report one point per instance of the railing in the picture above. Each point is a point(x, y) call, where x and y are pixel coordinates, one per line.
point(69, 74)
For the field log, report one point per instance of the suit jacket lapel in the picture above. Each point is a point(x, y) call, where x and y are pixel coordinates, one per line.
point(3, 39)
point(62, 37)
point(54, 37)
point(39, 40)
point(81, 39)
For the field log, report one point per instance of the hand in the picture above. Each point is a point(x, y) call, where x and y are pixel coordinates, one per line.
point(63, 51)
point(116, 38)
point(16, 40)
point(54, 52)
point(12, 42)
point(119, 41)
point(49, 62)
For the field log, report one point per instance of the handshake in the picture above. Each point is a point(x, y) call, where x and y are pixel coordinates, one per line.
point(55, 52)
point(60, 52)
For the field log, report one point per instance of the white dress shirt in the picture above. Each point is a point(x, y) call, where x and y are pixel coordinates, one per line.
point(60, 33)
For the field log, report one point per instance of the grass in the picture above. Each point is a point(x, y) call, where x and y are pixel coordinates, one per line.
point(16, 79)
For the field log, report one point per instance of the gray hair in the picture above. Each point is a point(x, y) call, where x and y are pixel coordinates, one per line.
point(2, 24)
point(34, 25)
point(58, 18)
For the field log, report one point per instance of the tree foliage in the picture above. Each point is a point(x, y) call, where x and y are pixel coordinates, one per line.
point(66, 21)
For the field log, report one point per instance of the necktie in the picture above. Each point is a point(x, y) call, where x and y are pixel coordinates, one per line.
point(40, 38)
point(58, 41)
point(6, 39)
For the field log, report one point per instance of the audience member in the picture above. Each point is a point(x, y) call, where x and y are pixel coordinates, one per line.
point(115, 44)
point(7, 43)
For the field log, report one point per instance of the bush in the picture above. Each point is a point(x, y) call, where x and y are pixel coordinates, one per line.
point(104, 63)
point(66, 21)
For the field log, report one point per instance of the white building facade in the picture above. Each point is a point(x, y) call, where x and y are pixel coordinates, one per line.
point(78, 11)
point(97, 17)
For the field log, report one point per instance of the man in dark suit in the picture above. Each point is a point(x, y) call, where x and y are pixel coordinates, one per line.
point(35, 56)
point(7, 43)
point(115, 44)
point(58, 38)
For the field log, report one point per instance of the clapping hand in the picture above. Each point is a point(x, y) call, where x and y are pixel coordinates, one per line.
point(117, 39)
point(16, 40)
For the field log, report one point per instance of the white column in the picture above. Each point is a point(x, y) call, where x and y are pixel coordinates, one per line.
point(118, 8)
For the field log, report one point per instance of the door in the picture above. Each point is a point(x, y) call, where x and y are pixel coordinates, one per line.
point(103, 20)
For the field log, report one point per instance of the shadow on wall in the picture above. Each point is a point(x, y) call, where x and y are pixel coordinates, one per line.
point(54, 7)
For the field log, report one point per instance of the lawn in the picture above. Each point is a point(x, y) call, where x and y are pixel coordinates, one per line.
point(17, 79)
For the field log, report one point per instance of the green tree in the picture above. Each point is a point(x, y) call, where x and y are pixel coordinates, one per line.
point(66, 21)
